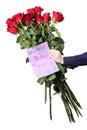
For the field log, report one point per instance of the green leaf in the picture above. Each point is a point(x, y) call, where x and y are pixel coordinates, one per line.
point(40, 40)
point(58, 43)
point(55, 88)
point(33, 38)
point(27, 35)
point(32, 31)
point(62, 68)
point(25, 44)
point(52, 77)
point(43, 33)
point(27, 60)
point(34, 43)
point(41, 80)
point(60, 47)
point(20, 38)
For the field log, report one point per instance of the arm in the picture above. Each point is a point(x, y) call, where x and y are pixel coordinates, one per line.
point(71, 61)
point(77, 60)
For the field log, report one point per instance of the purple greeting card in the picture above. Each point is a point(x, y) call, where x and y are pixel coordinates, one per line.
point(42, 63)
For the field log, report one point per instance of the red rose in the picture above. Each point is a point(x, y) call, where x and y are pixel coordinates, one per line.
point(8, 21)
point(46, 17)
point(11, 26)
point(57, 16)
point(13, 30)
point(38, 9)
point(17, 17)
point(26, 18)
point(31, 11)
point(38, 19)
point(11, 23)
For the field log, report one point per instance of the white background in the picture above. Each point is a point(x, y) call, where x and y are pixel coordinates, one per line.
point(21, 97)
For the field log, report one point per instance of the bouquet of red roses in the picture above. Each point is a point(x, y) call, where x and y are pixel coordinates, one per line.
point(33, 28)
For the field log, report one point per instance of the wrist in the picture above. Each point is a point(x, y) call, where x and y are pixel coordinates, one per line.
point(62, 60)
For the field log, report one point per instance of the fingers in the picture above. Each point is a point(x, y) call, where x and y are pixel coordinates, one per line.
point(52, 51)
point(56, 55)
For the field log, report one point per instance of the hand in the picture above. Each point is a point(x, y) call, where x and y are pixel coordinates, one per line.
point(56, 55)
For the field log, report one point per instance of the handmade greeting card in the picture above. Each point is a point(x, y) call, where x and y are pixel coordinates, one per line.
point(42, 63)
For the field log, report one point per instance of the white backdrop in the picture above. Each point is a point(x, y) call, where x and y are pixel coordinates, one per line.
point(21, 98)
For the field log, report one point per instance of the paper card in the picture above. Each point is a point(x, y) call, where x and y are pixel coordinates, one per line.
point(42, 63)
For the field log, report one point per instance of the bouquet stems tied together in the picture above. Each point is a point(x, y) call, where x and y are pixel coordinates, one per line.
point(33, 28)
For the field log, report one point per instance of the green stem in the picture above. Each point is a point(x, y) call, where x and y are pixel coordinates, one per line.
point(66, 102)
point(45, 93)
point(50, 99)
point(20, 30)
point(41, 25)
point(32, 27)
point(75, 106)
point(68, 109)
point(22, 25)
point(57, 32)
point(74, 98)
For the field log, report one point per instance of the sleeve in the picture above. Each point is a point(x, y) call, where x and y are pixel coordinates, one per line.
point(75, 61)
